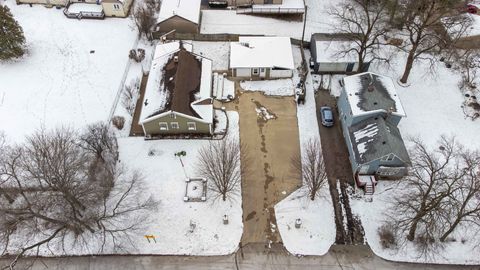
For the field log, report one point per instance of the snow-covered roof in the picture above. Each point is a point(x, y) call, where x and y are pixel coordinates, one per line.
point(369, 92)
point(187, 9)
point(375, 138)
point(266, 52)
point(162, 97)
point(328, 51)
point(155, 96)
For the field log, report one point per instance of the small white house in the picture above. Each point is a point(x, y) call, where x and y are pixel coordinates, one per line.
point(183, 16)
point(326, 58)
point(261, 58)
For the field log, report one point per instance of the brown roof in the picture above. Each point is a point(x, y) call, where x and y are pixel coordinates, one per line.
point(186, 74)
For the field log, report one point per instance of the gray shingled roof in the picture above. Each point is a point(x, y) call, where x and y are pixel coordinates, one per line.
point(374, 138)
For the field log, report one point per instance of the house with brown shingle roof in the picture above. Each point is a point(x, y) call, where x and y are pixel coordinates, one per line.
point(178, 93)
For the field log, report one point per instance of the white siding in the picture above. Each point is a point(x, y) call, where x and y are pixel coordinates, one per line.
point(332, 67)
point(243, 72)
point(281, 73)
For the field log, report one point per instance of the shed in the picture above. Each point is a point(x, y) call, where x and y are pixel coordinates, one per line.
point(327, 59)
point(183, 16)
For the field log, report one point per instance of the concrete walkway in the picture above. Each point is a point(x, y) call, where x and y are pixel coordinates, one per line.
point(254, 257)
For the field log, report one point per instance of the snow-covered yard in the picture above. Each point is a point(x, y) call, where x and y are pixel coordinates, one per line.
point(70, 75)
point(165, 177)
point(228, 21)
point(317, 232)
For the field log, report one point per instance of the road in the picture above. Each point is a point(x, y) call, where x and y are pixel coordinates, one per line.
point(254, 257)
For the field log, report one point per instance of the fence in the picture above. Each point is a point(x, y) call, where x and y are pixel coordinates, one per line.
point(198, 37)
point(264, 10)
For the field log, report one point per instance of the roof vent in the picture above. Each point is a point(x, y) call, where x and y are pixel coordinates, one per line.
point(371, 88)
point(375, 103)
point(245, 44)
point(384, 142)
point(175, 59)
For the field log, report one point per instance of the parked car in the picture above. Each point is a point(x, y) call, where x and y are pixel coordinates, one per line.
point(327, 116)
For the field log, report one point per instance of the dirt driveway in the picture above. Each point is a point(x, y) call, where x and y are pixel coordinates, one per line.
point(339, 172)
point(271, 138)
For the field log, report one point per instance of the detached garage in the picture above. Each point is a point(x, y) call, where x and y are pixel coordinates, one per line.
point(326, 58)
point(183, 16)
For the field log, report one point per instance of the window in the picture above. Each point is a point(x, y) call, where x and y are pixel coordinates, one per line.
point(163, 126)
point(174, 125)
point(388, 158)
point(385, 171)
point(255, 71)
point(262, 70)
point(174, 116)
point(192, 126)
point(116, 6)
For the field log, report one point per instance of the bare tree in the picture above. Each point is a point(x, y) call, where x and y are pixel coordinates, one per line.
point(130, 96)
point(144, 18)
point(465, 201)
point(468, 64)
point(362, 23)
point(311, 166)
point(58, 199)
point(99, 139)
point(432, 180)
point(421, 20)
point(221, 162)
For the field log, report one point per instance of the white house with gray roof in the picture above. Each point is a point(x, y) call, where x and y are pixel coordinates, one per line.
point(370, 110)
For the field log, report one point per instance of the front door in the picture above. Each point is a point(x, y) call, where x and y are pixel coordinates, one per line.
point(350, 67)
point(263, 72)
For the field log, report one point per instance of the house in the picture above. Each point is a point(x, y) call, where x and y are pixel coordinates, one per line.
point(116, 8)
point(261, 58)
point(178, 93)
point(183, 16)
point(370, 110)
point(326, 58)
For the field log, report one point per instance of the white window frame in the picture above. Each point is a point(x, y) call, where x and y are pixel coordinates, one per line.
point(255, 71)
point(190, 127)
point(173, 115)
point(174, 125)
point(389, 157)
point(163, 125)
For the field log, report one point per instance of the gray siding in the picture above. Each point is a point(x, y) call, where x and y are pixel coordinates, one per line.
point(153, 127)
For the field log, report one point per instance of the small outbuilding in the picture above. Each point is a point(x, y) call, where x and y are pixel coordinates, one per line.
point(183, 16)
point(178, 95)
point(261, 58)
point(326, 58)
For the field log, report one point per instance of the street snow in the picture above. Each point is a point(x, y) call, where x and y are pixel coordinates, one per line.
point(70, 75)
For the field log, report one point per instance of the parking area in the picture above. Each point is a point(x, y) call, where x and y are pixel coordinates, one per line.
point(339, 171)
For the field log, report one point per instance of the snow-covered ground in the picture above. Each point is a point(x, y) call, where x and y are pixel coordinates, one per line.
point(280, 87)
point(228, 21)
point(165, 177)
point(70, 75)
point(464, 250)
point(432, 103)
point(317, 232)
point(216, 51)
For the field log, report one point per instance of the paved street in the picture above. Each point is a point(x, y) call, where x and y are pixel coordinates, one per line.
point(254, 257)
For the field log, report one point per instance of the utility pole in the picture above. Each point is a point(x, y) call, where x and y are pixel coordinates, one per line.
point(304, 24)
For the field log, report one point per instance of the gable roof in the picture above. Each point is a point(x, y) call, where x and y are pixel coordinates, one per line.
point(369, 92)
point(375, 138)
point(187, 9)
point(266, 52)
point(179, 81)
